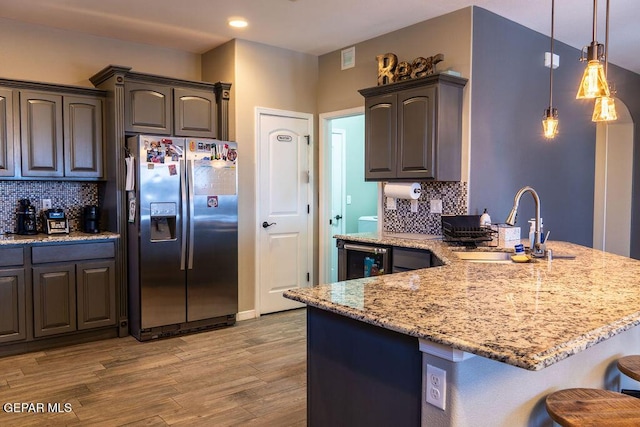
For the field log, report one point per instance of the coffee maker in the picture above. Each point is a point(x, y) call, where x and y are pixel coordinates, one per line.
point(91, 219)
point(26, 218)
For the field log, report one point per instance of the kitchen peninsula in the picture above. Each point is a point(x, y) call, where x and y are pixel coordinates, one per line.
point(507, 334)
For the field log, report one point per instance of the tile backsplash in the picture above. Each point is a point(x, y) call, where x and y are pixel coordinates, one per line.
point(70, 196)
point(402, 220)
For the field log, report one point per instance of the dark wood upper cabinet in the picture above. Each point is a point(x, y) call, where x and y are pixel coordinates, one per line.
point(194, 112)
point(41, 134)
point(7, 160)
point(83, 148)
point(413, 129)
point(50, 131)
point(148, 108)
point(380, 129)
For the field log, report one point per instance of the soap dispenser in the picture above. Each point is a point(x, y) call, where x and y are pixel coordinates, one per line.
point(485, 219)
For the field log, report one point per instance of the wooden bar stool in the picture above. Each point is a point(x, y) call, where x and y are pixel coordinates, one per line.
point(630, 366)
point(583, 407)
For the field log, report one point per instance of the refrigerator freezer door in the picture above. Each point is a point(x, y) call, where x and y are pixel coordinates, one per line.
point(212, 280)
point(162, 282)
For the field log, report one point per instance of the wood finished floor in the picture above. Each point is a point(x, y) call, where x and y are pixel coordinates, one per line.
point(253, 373)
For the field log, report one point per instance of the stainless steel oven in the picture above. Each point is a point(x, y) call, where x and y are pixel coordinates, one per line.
point(357, 260)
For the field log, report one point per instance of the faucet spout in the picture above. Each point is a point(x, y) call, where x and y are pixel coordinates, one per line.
point(537, 246)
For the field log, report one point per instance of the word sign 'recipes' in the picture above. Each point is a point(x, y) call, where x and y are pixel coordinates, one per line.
point(390, 70)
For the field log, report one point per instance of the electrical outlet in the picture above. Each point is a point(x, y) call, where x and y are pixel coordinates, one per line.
point(46, 204)
point(414, 206)
point(436, 387)
point(391, 204)
point(436, 206)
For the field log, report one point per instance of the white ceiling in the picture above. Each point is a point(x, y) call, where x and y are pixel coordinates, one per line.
point(316, 26)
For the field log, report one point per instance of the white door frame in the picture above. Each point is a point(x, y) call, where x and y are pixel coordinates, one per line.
point(340, 225)
point(324, 185)
point(259, 111)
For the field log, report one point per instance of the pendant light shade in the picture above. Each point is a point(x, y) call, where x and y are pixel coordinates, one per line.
point(550, 123)
point(594, 82)
point(604, 110)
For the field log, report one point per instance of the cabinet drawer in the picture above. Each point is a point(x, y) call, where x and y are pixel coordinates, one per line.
point(75, 252)
point(11, 256)
point(405, 259)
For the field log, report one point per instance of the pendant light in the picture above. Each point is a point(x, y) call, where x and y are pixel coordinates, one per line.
point(605, 108)
point(550, 122)
point(594, 82)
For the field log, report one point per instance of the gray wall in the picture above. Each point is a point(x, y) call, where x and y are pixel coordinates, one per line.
point(508, 151)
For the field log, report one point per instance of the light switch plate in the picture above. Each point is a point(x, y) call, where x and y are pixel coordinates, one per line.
point(46, 204)
point(348, 199)
point(414, 206)
point(436, 206)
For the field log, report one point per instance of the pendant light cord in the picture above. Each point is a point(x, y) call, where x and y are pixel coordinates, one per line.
point(595, 22)
point(551, 65)
point(606, 44)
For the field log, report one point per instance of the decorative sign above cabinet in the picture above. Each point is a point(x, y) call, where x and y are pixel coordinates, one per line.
point(390, 70)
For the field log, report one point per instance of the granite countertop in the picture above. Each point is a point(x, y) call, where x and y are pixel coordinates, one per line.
point(529, 315)
point(75, 236)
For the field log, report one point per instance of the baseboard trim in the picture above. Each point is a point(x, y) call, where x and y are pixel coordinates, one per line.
point(246, 315)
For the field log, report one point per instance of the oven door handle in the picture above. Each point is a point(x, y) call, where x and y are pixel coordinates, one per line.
point(369, 249)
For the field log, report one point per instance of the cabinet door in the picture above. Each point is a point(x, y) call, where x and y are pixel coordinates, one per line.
point(12, 305)
point(148, 108)
point(7, 165)
point(41, 136)
point(416, 133)
point(194, 113)
point(380, 137)
point(96, 294)
point(54, 299)
point(83, 148)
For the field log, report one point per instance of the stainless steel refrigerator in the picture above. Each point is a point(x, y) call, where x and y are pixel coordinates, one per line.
point(182, 235)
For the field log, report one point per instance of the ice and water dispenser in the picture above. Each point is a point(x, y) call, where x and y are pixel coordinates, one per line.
point(163, 221)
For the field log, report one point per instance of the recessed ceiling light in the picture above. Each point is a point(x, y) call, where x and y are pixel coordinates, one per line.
point(237, 22)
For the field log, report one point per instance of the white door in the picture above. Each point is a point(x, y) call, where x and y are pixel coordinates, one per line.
point(284, 220)
point(338, 211)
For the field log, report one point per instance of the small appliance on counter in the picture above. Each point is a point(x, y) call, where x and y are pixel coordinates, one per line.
point(55, 222)
point(91, 219)
point(26, 218)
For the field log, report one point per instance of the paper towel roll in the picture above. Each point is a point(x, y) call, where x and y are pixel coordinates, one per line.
point(402, 190)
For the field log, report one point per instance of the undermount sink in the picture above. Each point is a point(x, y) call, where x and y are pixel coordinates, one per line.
point(484, 256)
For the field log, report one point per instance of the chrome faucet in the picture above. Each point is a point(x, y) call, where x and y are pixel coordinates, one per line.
point(537, 246)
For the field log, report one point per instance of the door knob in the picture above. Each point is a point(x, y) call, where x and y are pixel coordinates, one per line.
point(266, 224)
point(338, 217)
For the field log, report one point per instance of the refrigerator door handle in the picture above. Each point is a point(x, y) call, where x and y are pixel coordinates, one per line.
point(183, 213)
point(191, 211)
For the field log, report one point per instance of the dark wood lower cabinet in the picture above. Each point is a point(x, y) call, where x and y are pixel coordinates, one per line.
point(57, 294)
point(96, 298)
point(13, 318)
point(54, 299)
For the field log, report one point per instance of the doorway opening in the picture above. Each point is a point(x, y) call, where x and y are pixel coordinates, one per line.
point(613, 184)
point(348, 204)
